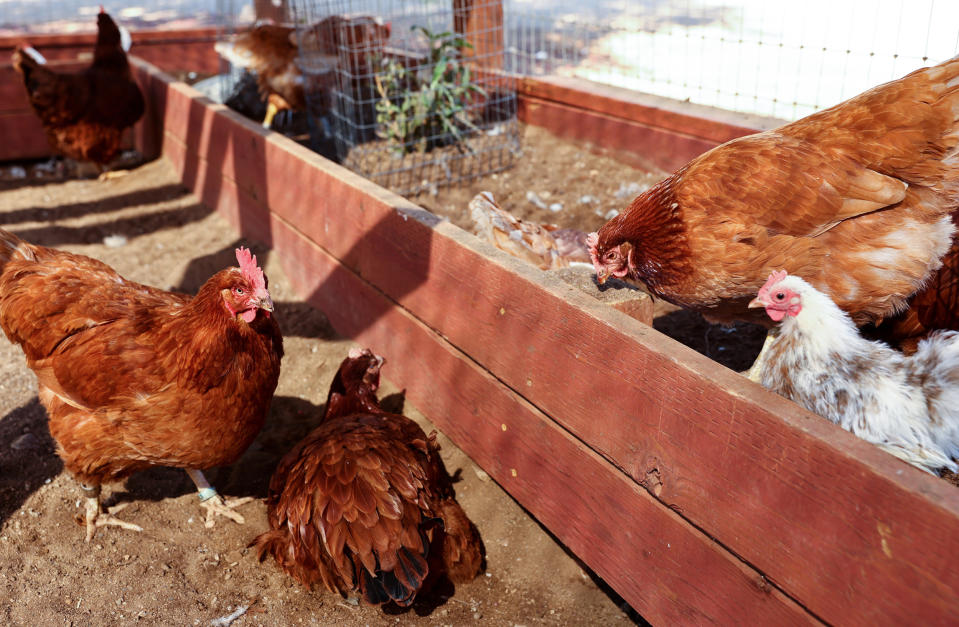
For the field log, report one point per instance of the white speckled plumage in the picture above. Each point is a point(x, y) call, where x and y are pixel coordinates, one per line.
point(908, 405)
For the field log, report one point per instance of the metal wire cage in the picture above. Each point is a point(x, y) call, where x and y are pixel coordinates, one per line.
point(411, 94)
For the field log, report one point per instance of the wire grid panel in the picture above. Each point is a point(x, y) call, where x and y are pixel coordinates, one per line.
point(59, 17)
point(405, 112)
point(782, 59)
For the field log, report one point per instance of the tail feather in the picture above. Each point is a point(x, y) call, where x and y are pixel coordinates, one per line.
point(462, 546)
point(936, 364)
point(12, 247)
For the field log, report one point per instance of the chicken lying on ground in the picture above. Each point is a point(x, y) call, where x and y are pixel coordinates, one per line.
point(546, 246)
point(132, 376)
point(363, 503)
point(908, 405)
point(856, 198)
point(84, 114)
point(270, 51)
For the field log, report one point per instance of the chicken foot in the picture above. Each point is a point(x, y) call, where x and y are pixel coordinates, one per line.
point(95, 517)
point(213, 503)
point(753, 373)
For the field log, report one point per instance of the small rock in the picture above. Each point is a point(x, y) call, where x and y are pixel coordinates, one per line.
point(115, 241)
point(477, 616)
point(25, 442)
point(536, 200)
point(588, 200)
point(481, 475)
point(17, 172)
point(612, 213)
point(556, 207)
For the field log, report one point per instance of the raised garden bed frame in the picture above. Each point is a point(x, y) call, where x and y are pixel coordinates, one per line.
point(697, 495)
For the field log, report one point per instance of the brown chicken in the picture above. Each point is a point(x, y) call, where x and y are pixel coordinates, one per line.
point(546, 246)
point(271, 50)
point(856, 199)
point(363, 504)
point(132, 376)
point(84, 114)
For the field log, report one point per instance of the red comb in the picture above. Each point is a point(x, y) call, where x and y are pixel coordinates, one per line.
point(101, 9)
point(250, 270)
point(774, 278)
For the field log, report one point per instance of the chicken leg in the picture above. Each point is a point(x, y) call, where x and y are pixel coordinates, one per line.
point(215, 504)
point(95, 517)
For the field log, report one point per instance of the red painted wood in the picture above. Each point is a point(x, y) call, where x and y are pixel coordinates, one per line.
point(634, 143)
point(852, 533)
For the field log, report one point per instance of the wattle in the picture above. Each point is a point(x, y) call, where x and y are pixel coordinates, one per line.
point(248, 316)
point(775, 314)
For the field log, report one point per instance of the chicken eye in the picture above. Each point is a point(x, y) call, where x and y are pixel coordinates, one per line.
point(238, 291)
point(780, 296)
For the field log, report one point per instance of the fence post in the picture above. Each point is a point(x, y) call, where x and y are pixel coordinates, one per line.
point(481, 22)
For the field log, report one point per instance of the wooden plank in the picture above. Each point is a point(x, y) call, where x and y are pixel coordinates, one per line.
point(481, 22)
point(634, 143)
point(23, 137)
point(171, 50)
point(825, 516)
point(710, 123)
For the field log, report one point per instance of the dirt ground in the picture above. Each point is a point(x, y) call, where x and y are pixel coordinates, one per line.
point(176, 571)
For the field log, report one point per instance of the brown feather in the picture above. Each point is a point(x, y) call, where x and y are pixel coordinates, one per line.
point(376, 530)
point(188, 386)
point(855, 199)
point(84, 114)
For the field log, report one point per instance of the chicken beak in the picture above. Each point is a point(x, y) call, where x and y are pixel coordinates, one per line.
point(601, 276)
point(755, 303)
point(265, 303)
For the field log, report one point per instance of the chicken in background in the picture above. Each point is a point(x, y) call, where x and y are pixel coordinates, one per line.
point(857, 199)
point(133, 376)
point(85, 114)
point(546, 246)
point(364, 505)
point(270, 51)
point(907, 405)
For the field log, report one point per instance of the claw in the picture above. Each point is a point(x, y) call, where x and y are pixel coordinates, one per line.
point(96, 518)
point(217, 505)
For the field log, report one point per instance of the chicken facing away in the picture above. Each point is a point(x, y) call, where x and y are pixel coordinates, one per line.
point(363, 504)
point(84, 114)
point(907, 405)
point(132, 376)
point(857, 199)
point(546, 246)
point(270, 51)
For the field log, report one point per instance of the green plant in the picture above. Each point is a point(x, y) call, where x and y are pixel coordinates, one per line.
point(420, 109)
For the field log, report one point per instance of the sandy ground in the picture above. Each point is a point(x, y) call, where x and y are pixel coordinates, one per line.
point(176, 571)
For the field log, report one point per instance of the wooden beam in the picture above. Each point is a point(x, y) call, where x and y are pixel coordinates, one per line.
point(481, 22)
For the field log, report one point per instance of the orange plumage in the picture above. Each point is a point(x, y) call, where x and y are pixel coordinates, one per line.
point(855, 199)
point(133, 376)
point(271, 51)
point(84, 114)
point(363, 504)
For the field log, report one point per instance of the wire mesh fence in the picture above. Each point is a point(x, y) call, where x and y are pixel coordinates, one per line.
point(782, 59)
point(79, 16)
point(413, 93)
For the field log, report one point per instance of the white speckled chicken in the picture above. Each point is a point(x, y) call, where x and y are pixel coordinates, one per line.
point(907, 405)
